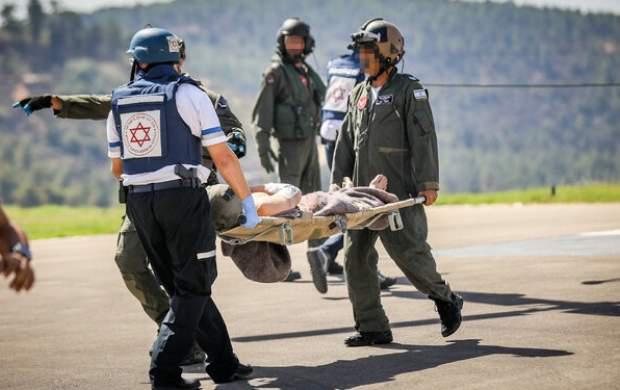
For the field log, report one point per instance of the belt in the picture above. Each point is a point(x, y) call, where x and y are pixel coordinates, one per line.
point(166, 185)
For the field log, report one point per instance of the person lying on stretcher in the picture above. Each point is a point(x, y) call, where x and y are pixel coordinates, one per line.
point(276, 199)
point(273, 199)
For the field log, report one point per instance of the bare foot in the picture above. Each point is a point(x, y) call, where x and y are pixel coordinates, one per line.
point(347, 183)
point(380, 182)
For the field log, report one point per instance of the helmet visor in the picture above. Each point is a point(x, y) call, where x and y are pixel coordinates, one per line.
point(362, 37)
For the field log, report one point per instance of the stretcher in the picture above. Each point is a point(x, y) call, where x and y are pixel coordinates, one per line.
point(303, 227)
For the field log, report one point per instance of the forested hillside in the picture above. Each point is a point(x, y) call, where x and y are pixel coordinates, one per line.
point(490, 139)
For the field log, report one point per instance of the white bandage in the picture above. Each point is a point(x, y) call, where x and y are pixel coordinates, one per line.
point(288, 191)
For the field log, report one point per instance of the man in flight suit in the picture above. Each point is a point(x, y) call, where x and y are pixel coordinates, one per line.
point(389, 130)
point(288, 108)
point(343, 73)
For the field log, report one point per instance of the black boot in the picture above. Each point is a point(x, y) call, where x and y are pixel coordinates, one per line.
point(318, 262)
point(385, 282)
point(242, 372)
point(181, 384)
point(333, 268)
point(292, 276)
point(195, 356)
point(362, 339)
point(449, 314)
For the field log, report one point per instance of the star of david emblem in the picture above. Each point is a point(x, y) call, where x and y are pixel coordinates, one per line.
point(339, 94)
point(135, 134)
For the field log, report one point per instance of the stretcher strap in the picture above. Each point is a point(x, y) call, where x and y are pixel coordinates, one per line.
point(285, 237)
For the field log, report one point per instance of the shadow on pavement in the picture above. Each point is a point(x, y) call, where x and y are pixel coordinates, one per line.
point(516, 299)
point(595, 282)
point(381, 368)
point(403, 324)
point(536, 305)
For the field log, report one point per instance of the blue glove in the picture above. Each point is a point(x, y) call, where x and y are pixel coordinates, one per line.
point(34, 103)
point(249, 211)
point(25, 107)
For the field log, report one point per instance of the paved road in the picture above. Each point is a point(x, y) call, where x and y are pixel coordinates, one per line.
point(542, 310)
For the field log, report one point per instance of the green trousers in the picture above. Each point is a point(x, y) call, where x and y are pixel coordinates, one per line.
point(132, 261)
point(411, 253)
point(298, 164)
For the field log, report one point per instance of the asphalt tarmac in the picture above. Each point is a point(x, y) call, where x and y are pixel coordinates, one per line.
point(542, 311)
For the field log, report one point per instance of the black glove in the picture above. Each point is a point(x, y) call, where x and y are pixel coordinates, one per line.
point(265, 160)
point(236, 143)
point(34, 103)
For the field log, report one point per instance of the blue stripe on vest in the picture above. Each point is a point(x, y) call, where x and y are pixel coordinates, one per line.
point(115, 144)
point(211, 130)
point(333, 115)
point(178, 144)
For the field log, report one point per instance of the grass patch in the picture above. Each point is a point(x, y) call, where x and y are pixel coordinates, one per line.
point(591, 193)
point(64, 221)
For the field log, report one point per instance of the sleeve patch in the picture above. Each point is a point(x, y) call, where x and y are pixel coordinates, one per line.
point(222, 103)
point(420, 94)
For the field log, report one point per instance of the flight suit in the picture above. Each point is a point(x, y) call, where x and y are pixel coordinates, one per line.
point(288, 108)
point(393, 136)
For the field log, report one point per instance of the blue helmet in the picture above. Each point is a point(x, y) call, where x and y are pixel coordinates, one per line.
point(155, 45)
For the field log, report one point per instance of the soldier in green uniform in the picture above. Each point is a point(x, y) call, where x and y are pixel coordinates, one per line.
point(130, 256)
point(288, 108)
point(389, 130)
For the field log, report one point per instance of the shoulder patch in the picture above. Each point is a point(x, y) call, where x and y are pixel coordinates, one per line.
point(222, 103)
point(270, 78)
point(420, 94)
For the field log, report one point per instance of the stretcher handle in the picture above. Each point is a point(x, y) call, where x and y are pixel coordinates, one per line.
point(419, 199)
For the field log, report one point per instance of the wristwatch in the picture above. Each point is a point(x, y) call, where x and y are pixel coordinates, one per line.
point(22, 249)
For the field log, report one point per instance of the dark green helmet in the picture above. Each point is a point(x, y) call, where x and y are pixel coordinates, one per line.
point(295, 26)
point(155, 45)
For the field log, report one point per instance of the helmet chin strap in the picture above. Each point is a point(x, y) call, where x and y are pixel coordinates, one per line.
point(134, 68)
point(295, 58)
point(383, 67)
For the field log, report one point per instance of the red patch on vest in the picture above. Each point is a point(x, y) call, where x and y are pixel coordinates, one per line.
point(361, 104)
point(304, 80)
